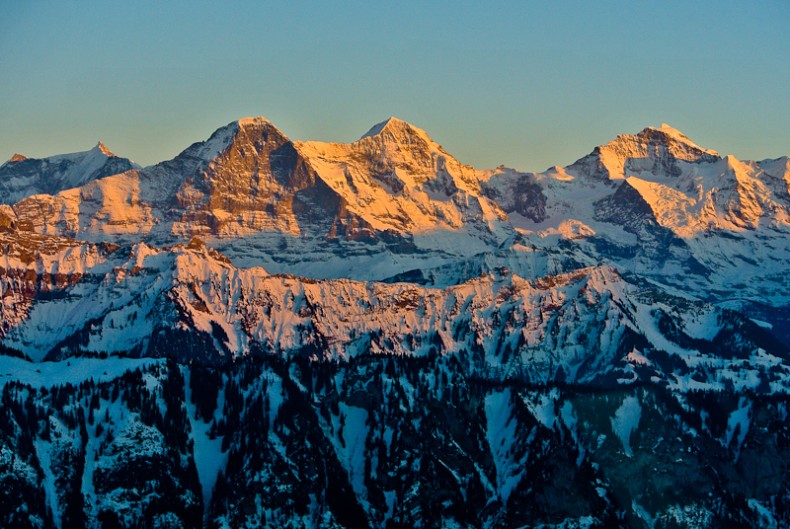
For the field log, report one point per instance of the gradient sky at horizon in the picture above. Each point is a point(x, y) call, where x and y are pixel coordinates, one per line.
point(527, 84)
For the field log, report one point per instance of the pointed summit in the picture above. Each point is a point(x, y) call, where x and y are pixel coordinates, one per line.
point(229, 133)
point(666, 127)
point(247, 134)
point(670, 134)
point(53, 174)
point(253, 131)
point(254, 122)
point(378, 128)
point(395, 128)
point(102, 148)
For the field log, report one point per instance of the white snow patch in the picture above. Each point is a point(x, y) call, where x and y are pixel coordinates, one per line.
point(739, 422)
point(352, 448)
point(583, 522)
point(501, 436)
point(640, 511)
point(210, 460)
point(763, 324)
point(625, 421)
point(72, 371)
point(44, 454)
point(635, 357)
point(542, 408)
point(767, 520)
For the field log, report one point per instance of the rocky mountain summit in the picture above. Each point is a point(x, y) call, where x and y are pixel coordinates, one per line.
point(267, 332)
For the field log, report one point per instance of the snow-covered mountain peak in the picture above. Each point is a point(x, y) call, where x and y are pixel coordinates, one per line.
point(669, 134)
point(17, 158)
point(391, 125)
point(251, 135)
point(249, 121)
point(102, 148)
point(666, 127)
point(657, 142)
point(257, 123)
point(396, 134)
point(21, 176)
point(669, 130)
point(733, 163)
point(654, 149)
point(246, 135)
point(91, 162)
point(402, 144)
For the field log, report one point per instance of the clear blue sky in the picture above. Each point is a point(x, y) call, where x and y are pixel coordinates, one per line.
point(524, 83)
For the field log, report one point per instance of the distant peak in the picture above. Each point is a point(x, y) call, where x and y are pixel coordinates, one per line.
point(255, 124)
point(245, 132)
point(666, 130)
point(664, 143)
point(395, 122)
point(253, 121)
point(104, 149)
point(665, 127)
point(673, 134)
point(17, 158)
point(392, 125)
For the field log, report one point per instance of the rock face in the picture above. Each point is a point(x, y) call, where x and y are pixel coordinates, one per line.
point(263, 332)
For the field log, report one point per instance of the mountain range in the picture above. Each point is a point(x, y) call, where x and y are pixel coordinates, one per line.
point(267, 332)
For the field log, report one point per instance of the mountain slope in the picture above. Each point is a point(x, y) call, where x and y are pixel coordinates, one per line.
point(378, 442)
point(261, 332)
